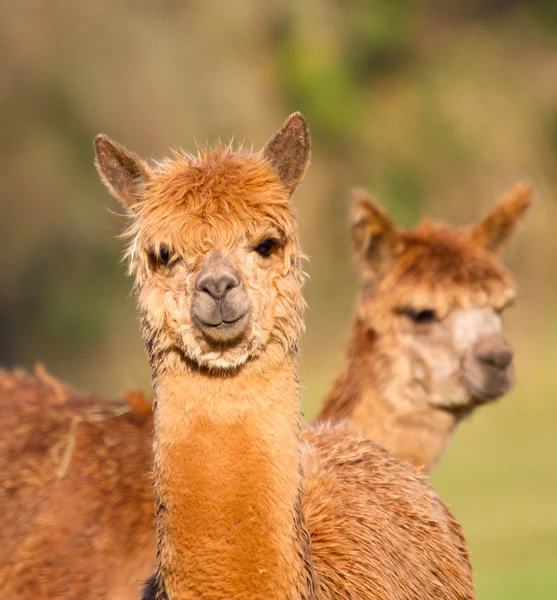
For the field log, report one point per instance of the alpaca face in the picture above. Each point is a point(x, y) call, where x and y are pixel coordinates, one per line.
point(222, 280)
point(454, 361)
point(214, 247)
point(433, 299)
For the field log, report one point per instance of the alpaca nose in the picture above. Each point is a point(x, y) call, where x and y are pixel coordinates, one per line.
point(217, 284)
point(494, 351)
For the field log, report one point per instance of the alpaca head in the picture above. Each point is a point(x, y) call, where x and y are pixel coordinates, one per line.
point(214, 247)
point(432, 299)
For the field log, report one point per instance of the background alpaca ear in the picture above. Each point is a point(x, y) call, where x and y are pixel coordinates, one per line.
point(288, 151)
point(494, 230)
point(375, 238)
point(122, 171)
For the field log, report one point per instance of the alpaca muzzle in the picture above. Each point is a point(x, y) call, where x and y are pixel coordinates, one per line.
point(220, 304)
point(488, 368)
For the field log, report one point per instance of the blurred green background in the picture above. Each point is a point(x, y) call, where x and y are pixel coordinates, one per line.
point(435, 106)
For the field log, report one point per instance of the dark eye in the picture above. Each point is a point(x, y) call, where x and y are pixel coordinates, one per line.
point(422, 317)
point(500, 309)
point(266, 247)
point(164, 255)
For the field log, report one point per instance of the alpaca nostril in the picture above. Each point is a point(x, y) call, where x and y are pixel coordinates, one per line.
point(494, 351)
point(500, 359)
point(217, 285)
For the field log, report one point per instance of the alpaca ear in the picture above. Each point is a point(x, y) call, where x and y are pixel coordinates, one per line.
point(122, 171)
point(494, 230)
point(375, 238)
point(288, 151)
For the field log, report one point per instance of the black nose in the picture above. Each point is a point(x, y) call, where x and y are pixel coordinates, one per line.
point(495, 352)
point(217, 284)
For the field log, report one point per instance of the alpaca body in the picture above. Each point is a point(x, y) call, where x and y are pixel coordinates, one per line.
point(76, 494)
point(226, 471)
point(226, 460)
point(42, 557)
point(361, 542)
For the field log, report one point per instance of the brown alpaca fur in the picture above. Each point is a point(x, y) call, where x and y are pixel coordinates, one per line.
point(76, 495)
point(426, 347)
point(246, 505)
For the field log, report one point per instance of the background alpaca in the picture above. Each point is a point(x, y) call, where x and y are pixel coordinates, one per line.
point(426, 347)
point(215, 254)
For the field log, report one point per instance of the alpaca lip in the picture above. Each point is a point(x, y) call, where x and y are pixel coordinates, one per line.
point(223, 324)
point(226, 331)
point(218, 315)
point(489, 385)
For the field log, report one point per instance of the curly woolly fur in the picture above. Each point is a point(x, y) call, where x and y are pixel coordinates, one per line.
point(404, 384)
point(75, 494)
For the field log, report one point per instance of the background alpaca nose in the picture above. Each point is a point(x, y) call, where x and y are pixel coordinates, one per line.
point(494, 351)
point(217, 284)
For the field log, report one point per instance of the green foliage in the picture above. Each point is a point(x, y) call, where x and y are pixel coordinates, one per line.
point(320, 85)
point(546, 13)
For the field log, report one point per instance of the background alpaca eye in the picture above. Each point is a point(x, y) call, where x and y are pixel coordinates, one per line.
point(266, 247)
point(164, 255)
point(422, 317)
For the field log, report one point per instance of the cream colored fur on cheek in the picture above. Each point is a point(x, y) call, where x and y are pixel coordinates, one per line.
point(469, 325)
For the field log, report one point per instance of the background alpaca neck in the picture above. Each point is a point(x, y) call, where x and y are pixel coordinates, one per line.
point(227, 467)
point(407, 426)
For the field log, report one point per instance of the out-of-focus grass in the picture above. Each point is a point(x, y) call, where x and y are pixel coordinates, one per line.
point(538, 582)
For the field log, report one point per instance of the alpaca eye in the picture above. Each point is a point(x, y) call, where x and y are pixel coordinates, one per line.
point(164, 255)
point(266, 247)
point(422, 317)
point(499, 310)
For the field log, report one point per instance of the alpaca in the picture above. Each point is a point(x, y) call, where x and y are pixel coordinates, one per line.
point(248, 505)
point(75, 492)
point(426, 348)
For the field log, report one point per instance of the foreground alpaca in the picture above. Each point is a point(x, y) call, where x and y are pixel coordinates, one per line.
point(215, 254)
point(426, 347)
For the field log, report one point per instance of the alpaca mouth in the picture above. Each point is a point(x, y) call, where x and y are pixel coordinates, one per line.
point(489, 384)
point(220, 330)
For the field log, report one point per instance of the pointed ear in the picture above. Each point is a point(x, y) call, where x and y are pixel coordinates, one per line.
point(375, 238)
point(122, 171)
point(288, 151)
point(494, 230)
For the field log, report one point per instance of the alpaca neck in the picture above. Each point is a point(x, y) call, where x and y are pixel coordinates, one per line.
point(387, 413)
point(228, 477)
